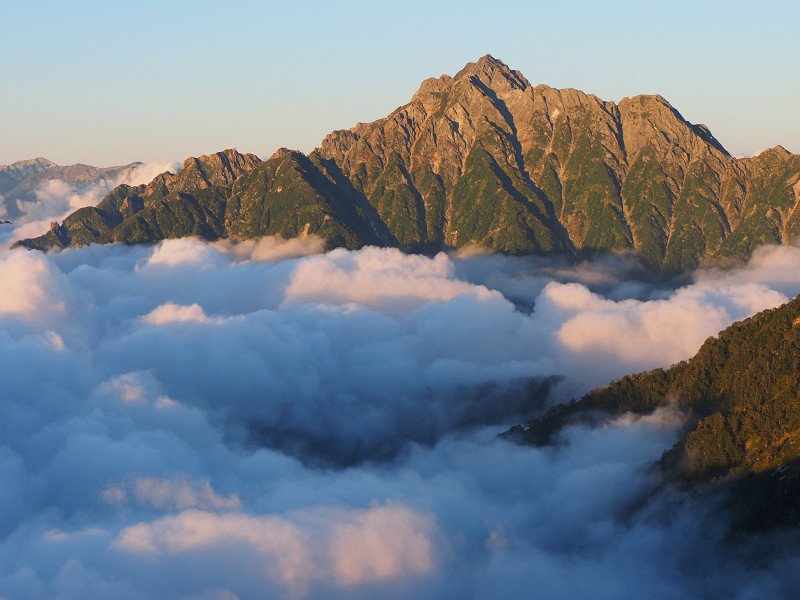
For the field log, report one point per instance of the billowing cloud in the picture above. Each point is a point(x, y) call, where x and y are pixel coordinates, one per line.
point(32, 290)
point(378, 543)
point(165, 492)
point(347, 547)
point(145, 173)
point(280, 542)
point(188, 251)
point(216, 421)
point(600, 333)
point(175, 313)
point(379, 278)
point(271, 248)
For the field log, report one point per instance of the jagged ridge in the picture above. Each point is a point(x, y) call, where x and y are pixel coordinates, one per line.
point(485, 158)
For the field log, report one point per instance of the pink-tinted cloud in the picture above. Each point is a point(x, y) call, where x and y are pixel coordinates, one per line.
point(345, 547)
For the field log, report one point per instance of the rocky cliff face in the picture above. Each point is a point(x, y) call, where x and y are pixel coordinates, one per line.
point(485, 158)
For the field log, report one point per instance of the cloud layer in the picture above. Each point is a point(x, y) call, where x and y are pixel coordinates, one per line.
point(192, 420)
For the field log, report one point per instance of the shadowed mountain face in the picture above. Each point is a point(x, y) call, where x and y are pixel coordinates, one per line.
point(741, 395)
point(482, 158)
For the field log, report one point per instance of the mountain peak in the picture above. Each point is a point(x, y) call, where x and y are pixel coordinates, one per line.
point(486, 63)
point(479, 159)
point(219, 169)
point(776, 151)
point(230, 154)
point(283, 151)
point(30, 165)
point(771, 158)
point(485, 69)
point(492, 73)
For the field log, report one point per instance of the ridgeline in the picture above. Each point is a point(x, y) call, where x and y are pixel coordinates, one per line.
point(482, 158)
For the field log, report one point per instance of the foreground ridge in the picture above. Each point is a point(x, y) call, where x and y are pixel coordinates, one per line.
point(740, 396)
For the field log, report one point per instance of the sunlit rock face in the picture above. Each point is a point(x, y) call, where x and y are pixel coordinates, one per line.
point(486, 159)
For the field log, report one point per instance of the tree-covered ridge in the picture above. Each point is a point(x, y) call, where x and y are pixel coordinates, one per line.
point(741, 395)
point(483, 158)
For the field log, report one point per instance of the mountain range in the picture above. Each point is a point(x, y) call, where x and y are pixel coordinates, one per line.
point(482, 158)
point(19, 181)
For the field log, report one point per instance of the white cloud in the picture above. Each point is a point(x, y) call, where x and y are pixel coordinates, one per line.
point(271, 248)
point(378, 278)
point(182, 420)
point(31, 288)
point(183, 251)
point(654, 332)
point(175, 313)
point(179, 492)
point(348, 547)
point(145, 173)
point(129, 387)
point(380, 543)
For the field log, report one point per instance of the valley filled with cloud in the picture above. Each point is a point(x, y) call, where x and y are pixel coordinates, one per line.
point(232, 420)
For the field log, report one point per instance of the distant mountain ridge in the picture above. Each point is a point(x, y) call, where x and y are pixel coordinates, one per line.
point(482, 158)
point(24, 168)
point(20, 180)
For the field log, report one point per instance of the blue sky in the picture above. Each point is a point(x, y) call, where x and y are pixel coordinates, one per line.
point(110, 82)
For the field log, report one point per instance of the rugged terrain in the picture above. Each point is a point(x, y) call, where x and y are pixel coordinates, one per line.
point(482, 158)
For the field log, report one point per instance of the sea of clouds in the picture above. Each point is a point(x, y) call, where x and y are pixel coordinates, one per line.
point(261, 419)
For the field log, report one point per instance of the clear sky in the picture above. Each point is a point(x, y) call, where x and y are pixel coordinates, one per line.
point(112, 82)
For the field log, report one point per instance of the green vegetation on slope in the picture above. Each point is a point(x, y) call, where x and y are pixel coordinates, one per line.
point(741, 393)
point(493, 207)
point(290, 195)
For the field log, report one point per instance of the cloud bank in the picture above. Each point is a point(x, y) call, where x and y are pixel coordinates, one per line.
point(193, 420)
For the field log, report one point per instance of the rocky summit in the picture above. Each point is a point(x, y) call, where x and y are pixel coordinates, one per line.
point(482, 158)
